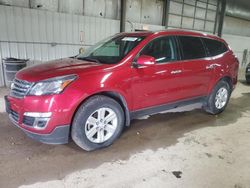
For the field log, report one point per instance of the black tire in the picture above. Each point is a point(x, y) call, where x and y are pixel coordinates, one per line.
point(210, 106)
point(248, 80)
point(85, 110)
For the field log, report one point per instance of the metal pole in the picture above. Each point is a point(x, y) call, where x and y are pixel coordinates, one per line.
point(222, 15)
point(123, 16)
point(216, 17)
point(165, 13)
point(29, 3)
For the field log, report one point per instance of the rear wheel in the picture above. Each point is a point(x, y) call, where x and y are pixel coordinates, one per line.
point(97, 123)
point(218, 99)
point(248, 79)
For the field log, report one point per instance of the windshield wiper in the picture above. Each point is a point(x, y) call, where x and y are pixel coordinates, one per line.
point(89, 59)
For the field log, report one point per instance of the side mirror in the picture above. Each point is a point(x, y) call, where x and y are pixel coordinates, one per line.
point(145, 60)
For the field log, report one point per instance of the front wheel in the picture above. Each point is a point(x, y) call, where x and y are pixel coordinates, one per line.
point(218, 99)
point(97, 123)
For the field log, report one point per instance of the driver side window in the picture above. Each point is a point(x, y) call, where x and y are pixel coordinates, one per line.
point(163, 49)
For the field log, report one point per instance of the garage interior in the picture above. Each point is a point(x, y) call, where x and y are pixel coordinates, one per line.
point(180, 148)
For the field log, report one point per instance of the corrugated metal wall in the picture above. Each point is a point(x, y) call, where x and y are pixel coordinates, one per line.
point(71, 6)
point(51, 5)
point(19, 3)
point(102, 8)
point(133, 26)
point(144, 15)
point(44, 35)
point(144, 11)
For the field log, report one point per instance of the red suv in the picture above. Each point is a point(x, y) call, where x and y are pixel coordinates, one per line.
point(93, 96)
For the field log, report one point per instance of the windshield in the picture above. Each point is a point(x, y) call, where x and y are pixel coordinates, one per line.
point(111, 50)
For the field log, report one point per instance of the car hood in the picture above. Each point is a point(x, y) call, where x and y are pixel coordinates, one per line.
point(59, 68)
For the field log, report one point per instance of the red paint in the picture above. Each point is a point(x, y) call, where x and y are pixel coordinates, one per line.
point(146, 60)
point(141, 87)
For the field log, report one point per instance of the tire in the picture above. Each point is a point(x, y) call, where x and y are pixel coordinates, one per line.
point(214, 106)
point(90, 131)
point(248, 80)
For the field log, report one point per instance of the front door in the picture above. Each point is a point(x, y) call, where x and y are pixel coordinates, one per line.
point(161, 83)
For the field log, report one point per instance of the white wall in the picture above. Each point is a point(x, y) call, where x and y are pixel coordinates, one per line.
point(71, 6)
point(144, 11)
point(133, 26)
point(102, 8)
point(237, 33)
point(43, 35)
point(51, 5)
point(238, 44)
point(19, 3)
point(236, 26)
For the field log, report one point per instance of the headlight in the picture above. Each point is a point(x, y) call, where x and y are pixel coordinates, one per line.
point(51, 86)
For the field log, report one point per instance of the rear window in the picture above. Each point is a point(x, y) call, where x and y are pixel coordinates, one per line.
point(214, 47)
point(192, 47)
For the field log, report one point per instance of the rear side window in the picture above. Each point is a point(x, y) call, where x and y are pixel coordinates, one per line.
point(192, 47)
point(214, 47)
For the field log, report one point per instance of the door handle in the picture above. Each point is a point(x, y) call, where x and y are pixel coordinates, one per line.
point(212, 66)
point(176, 71)
point(208, 67)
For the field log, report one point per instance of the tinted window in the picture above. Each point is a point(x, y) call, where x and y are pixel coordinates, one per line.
point(215, 47)
point(162, 49)
point(192, 47)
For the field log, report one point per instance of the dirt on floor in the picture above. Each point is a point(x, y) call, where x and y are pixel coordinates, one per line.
point(182, 149)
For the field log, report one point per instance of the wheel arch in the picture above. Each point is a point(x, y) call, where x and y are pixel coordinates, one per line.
point(121, 100)
point(226, 78)
point(114, 95)
point(229, 80)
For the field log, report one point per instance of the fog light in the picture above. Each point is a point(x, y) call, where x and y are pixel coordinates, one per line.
point(40, 123)
point(36, 120)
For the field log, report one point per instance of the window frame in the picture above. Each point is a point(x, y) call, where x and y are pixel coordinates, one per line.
point(208, 51)
point(181, 47)
point(178, 53)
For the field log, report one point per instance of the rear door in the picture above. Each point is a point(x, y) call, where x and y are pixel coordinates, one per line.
point(196, 71)
point(219, 59)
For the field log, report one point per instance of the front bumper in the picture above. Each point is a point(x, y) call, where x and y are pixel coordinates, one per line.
point(56, 132)
point(60, 135)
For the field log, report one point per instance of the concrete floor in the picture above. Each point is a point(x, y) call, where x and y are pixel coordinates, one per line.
point(182, 149)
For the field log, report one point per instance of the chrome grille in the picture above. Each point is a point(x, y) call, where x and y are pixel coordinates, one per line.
point(19, 88)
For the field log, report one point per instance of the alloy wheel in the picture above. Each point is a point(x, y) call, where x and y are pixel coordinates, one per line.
point(101, 125)
point(221, 98)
